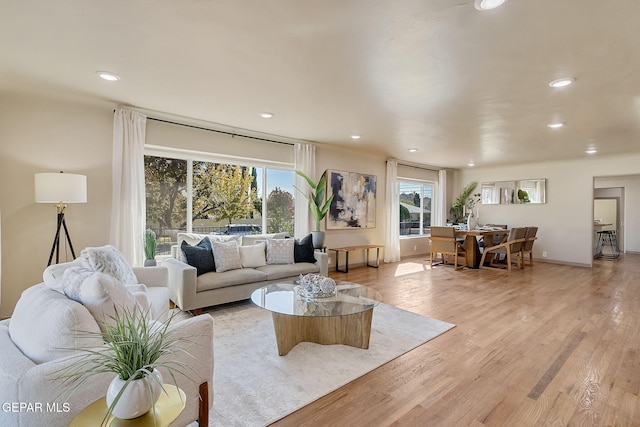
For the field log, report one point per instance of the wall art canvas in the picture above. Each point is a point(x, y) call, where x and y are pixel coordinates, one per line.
point(354, 200)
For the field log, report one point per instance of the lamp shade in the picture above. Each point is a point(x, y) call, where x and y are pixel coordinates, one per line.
point(60, 187)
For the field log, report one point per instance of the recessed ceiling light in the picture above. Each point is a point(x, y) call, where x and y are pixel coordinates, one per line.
point(266, 115)
point(413, 150)
point(471, 164)
point(591, 150)
point(555, 125)
point(355, 137)
point(488, 4)
point(566, 81)
point(107, 75)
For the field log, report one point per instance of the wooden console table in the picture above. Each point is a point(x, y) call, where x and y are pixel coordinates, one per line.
point(348, 249)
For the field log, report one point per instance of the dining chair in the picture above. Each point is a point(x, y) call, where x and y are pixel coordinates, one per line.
point(527, 247)
point(495, 238)
point(443, 242)
point(510, 248)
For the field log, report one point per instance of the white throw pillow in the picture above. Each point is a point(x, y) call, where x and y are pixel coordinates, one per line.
point(253, 255)
point(107, 259)
point(226, 255)
point(46, 325)
point(102, 294)
point(280, 251)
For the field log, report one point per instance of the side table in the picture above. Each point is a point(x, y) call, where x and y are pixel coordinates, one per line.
point(168, 407)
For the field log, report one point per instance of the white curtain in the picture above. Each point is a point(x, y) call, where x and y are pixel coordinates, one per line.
point(392, 207)
point(305, 161)
point(442, 211)
point(128, 207)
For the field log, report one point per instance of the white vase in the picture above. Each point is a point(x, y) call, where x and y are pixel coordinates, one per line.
point(137, 399)
point(471, 221)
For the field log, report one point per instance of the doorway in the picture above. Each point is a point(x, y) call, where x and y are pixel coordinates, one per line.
point(608, 209)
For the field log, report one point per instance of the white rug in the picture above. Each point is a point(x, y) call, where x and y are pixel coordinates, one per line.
point(253, 386)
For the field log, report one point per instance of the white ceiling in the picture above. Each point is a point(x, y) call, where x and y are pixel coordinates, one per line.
point(437, 75)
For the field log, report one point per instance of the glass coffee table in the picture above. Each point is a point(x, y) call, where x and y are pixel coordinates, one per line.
point(341, 319)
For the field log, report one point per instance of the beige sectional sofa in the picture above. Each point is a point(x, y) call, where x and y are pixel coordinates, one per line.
point(190, 291)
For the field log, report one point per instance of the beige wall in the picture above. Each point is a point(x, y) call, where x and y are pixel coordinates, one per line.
point(38, 134)
point(566, 220)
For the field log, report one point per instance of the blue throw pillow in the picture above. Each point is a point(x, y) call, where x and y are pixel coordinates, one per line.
point(199, 256)
point(303, 250)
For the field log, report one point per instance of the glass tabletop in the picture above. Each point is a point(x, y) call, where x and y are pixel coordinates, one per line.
point(351, 298)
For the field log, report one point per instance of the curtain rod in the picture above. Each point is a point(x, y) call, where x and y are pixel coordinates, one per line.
point(232, 134)
point(416, 166)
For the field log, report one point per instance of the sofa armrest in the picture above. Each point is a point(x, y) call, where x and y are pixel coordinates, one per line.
point(198, 331)
point(322, 259)
point(182, 283)
point(152, 276)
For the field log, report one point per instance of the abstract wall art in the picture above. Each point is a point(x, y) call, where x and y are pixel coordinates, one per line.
point(354, 200)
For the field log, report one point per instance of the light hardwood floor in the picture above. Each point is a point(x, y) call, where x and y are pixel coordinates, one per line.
point(552, 345)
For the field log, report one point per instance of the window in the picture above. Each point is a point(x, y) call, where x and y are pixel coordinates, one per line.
point(201, 196)
point(280, 206)
point(166, 198)
point(415, 207)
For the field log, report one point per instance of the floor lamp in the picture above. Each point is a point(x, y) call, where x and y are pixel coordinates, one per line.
point(60, 188)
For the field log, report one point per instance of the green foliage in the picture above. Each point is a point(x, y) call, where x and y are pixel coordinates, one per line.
point(222, 192)
point(133, 348)
point(166, 186)
point(405, 215)
point(464, 200)
point(317, 204)
point(280, 211)
point(523, 196)
point(149, 244)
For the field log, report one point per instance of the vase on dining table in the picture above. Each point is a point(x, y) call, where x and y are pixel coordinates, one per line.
point(471, 221)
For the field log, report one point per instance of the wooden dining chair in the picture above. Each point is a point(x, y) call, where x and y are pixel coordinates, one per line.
point(510, 248)
point(443, 242)
point(527, 247)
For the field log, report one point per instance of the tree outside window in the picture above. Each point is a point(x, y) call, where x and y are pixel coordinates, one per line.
point(221, 194)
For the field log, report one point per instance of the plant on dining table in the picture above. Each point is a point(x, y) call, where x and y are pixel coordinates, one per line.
point(466, 201)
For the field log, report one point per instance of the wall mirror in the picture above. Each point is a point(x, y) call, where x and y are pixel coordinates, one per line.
point(525, 191)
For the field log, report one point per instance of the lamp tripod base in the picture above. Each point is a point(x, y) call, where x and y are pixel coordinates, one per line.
point(56, 240)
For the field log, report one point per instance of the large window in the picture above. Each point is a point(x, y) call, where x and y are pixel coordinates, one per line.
point(203, 196)
point(415, 207)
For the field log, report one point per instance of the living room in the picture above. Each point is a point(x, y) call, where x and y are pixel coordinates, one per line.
point(47, 128)
point(76, 136)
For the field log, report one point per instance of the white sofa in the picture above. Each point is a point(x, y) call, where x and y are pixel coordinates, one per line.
point(30, 391)
point(192, 292)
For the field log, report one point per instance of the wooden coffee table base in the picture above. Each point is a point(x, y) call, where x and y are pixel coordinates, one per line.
point(353, 330)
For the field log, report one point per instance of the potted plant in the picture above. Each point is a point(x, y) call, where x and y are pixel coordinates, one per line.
point(132, 351)
point(149, 248)
point(317, 204)
point(523, 196)
point(464, 201)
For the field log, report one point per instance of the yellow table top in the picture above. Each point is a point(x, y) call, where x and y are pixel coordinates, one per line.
point(168, 407)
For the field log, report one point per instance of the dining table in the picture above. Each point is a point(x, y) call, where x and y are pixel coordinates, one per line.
point(471, 245)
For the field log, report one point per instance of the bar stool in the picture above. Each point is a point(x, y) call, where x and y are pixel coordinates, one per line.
point(607, 245)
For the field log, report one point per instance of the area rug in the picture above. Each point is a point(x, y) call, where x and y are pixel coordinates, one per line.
point(253, 386)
